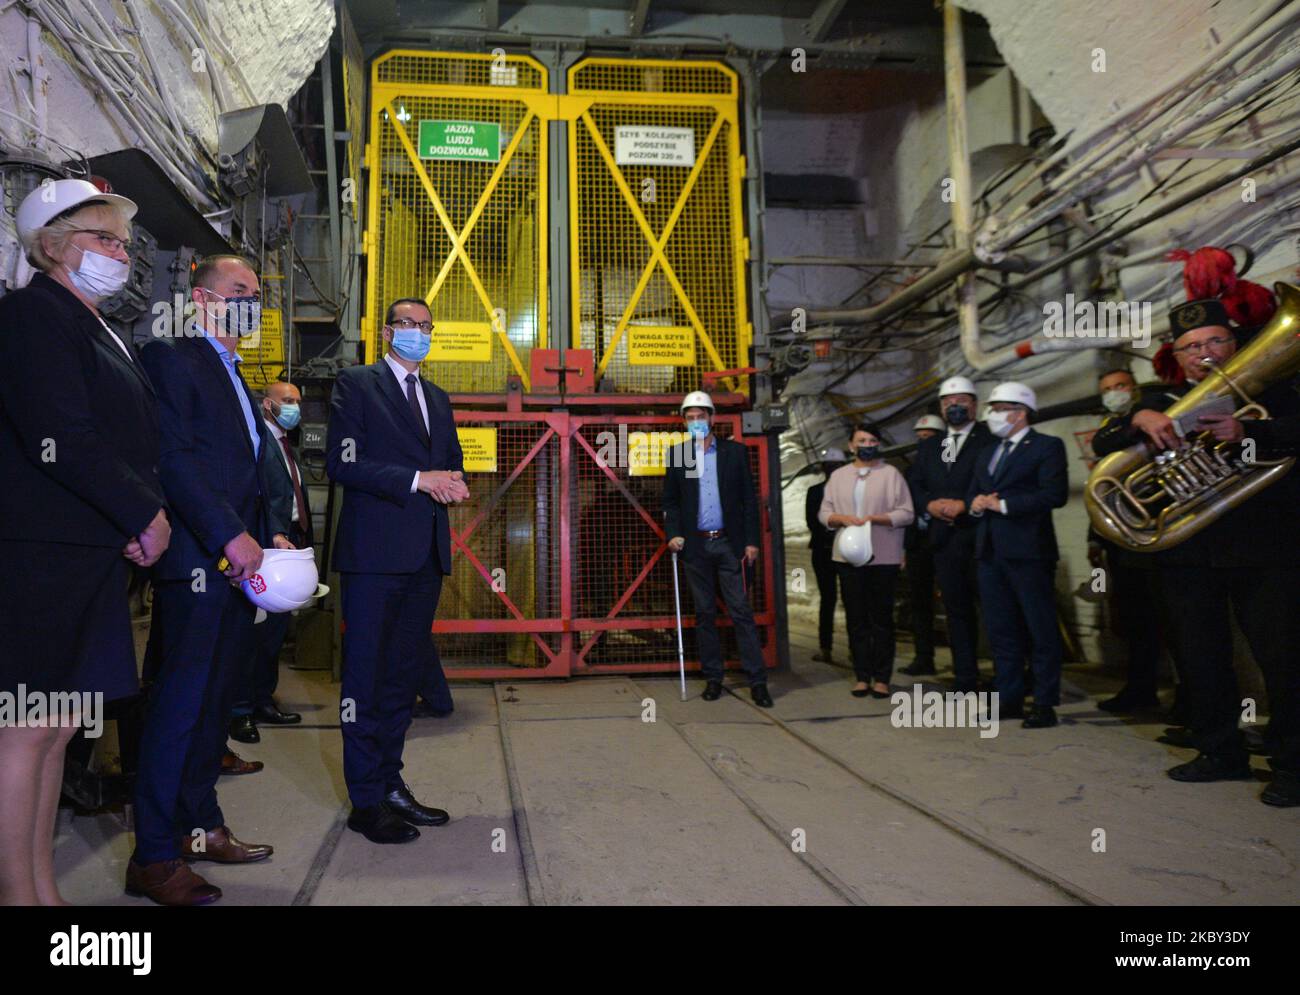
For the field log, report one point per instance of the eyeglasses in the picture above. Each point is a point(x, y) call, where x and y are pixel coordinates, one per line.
point(107, 239)
point(1203, 346)
point(424, 326)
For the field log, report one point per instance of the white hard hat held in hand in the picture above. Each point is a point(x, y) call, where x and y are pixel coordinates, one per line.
point(286, 581)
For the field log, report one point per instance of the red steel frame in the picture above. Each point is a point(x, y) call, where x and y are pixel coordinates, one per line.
point(570, 659)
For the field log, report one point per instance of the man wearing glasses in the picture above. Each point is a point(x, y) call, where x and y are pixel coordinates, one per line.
point(1249, 559)
point(393, 450)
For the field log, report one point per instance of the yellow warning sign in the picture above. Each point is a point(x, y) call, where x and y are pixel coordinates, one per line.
point(461, 342)
point(479, 446)
point(647, 452)
point(263, 353)
point(660, 345)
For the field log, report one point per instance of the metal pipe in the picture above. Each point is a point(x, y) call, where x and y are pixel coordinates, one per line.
point(845, 261)
point(994, 238)
point(953, 266)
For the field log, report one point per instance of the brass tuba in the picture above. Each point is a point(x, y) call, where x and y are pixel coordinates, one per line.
point(1147, 502)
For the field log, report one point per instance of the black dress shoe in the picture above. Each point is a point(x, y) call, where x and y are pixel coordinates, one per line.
point(402, 804)
point(761, 698)
point(860, 692)
point(919, 668)
point(880, 694)
point(712, 691)
point(1040, 717)
point(243, 729)
point(1284, 791)
point(1126, 702)
point(270, 715)
point(1207, 768)
point(1179, 737)
point(379, 825)
point(423, 710)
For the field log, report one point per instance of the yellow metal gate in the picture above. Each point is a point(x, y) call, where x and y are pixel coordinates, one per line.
point(457, 211)
point(657, 238)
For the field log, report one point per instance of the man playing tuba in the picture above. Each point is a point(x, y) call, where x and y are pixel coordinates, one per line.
point(1249, 559)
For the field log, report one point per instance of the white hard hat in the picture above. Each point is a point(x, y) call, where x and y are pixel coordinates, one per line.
point(287, 580)
point(855, 544)
point(932, 422)
point(1014, 393)
point(696, 399)
point(51, 199)
point(832, 455)
point(957, 385)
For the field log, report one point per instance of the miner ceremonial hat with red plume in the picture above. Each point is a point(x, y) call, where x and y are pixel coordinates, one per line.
point(1217, 296)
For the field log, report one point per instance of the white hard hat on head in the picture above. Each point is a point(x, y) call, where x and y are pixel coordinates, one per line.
point(696, 399)
point(52, 198)
point(957, 385)
point(932, 422)
point(286, 581)
point(1015, 393)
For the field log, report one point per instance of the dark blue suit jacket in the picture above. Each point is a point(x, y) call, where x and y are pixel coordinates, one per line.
point(931, 478)
point(373, 450)
point(1033, 479)
point(212, 479)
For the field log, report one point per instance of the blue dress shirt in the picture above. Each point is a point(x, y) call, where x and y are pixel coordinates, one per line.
point(709, 518)
point(229, 359)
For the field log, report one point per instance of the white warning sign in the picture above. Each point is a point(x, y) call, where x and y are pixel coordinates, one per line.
point(641, 146)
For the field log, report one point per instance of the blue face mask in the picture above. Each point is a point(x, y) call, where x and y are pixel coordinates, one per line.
point(698, 429)
point(411, 344)
point(289, 416)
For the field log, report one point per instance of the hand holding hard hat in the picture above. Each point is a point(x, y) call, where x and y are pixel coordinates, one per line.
point(286, 581)
point(854, 544)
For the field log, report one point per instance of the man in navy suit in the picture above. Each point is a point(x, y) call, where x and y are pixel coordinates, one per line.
point(940, 479)
point(1018, 481)
point(209, 467)
point(392, 447)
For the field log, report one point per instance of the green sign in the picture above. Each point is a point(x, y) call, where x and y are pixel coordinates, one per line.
point(476, 141)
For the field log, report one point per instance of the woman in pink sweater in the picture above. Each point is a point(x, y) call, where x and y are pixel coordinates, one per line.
point(869, 491)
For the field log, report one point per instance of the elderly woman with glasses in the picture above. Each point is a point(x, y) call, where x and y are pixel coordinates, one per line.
point(81, 503)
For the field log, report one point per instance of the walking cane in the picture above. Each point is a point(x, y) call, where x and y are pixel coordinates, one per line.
point(681, 653)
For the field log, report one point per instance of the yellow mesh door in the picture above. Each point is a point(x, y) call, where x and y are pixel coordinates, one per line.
point(658, 249)
point(458, 209)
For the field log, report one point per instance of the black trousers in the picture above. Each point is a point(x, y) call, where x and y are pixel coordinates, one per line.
point(716, 559)
point(954, 567)
point(920, 581)
point(1263, 600)
point(824, 568)
point(1135, 612)
point(869, 607)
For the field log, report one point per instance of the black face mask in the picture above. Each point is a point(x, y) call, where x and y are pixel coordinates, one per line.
point(866, 453)
point(957, 415)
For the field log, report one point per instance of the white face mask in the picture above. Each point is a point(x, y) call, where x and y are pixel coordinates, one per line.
point(999, 423)
point(1117, 401)
point(98, 276)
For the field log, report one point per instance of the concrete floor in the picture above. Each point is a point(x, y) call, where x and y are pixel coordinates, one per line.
point(560, 793)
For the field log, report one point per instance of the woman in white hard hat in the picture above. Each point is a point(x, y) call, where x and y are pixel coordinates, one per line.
point(79, 444)
point(868, 492)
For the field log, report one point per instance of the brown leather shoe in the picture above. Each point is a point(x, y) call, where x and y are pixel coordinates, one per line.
point(169, 882)
point(220, 846)
point(232, 764)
